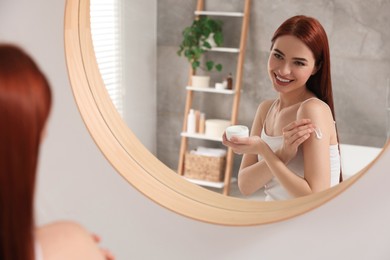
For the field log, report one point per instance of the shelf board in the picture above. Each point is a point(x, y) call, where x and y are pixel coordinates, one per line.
point(212, 90)
point(216, 13)
point(212, 184)
point(202, 136)
point(224, 49)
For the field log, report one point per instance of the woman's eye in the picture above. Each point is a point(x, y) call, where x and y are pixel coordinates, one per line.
point(298, 63)
point(278, 56)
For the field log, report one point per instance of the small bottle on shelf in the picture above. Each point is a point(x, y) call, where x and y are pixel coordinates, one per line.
point(197, 120)
point(191, 122)
point(202, 122)
point(229, 80)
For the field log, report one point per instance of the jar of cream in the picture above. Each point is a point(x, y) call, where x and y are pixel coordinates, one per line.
point(237, 130)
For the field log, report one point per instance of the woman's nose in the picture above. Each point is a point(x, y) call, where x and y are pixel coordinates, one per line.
point(284, 69)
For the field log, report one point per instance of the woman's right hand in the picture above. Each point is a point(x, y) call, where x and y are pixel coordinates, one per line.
point(294, 134)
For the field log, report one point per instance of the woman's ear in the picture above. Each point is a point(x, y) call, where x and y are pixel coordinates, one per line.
point(316, 68)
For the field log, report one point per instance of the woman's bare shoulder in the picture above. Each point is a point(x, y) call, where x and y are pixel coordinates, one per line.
point(67, 240)
point(261, 114)
point(320, 114)
point(316, 109)
point(264, 106)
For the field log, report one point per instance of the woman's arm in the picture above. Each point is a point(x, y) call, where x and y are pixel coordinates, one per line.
point(255, 174)
point(315, 154)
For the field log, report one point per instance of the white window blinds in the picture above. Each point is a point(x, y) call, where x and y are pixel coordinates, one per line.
point(106, 32)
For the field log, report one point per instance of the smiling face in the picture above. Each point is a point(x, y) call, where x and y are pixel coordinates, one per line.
point(290, 64)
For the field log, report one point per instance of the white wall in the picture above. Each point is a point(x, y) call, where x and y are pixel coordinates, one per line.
point(140, 49)
point(77, 183)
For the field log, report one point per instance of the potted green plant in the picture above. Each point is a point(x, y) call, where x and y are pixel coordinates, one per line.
point(204, 34)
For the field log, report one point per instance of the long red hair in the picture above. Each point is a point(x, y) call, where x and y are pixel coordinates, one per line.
point(310, 32)
point(25, 101)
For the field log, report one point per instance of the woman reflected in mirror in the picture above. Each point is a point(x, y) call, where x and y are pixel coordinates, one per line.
point(292, 149)
point(25, 104)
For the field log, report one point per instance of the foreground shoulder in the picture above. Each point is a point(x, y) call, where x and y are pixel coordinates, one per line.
point(314, 108)
point(67, 240)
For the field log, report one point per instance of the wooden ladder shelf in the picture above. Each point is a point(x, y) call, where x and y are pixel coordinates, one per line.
point(235, 92)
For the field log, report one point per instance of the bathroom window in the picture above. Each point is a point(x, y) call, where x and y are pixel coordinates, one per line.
point(105, 29)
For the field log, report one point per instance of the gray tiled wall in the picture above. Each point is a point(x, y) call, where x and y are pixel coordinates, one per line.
point(359, 39)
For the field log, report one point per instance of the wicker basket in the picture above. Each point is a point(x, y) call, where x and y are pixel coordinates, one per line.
point(204, 167)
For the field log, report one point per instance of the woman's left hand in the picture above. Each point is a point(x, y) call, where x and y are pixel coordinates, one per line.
point(244, 145)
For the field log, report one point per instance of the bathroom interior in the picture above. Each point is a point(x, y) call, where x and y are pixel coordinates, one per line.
point(360, 76)
point(154, 80)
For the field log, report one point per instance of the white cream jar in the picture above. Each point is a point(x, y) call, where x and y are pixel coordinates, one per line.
point(237, 130)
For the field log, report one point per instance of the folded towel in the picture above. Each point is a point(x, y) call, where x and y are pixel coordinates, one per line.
point(214, 152)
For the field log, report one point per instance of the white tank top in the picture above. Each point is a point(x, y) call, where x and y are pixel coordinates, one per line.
point(273, 189)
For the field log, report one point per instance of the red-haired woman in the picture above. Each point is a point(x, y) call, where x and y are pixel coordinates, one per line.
point(293, 149)
point(25, 102)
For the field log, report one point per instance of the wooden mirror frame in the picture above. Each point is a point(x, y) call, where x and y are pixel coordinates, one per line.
point(141, 168)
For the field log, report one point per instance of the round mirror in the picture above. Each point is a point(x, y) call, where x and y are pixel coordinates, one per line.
point(138, 165)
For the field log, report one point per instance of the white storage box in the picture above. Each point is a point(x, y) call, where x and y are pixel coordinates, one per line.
point(216, 127)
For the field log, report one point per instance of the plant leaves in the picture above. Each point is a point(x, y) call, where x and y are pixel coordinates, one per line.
point(218, 38)
point(209, 65)
point(195, 64)
point(197, 53)
point(207, 45)
point(195, 42)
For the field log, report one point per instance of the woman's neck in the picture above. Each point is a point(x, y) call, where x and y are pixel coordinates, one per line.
point(295, 97)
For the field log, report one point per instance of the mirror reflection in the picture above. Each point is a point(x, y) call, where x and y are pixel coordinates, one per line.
point(149, 79)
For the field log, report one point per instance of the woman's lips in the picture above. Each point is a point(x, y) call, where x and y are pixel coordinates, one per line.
point(282, 81)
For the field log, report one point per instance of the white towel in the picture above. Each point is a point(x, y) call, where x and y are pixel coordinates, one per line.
point(214, 152)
